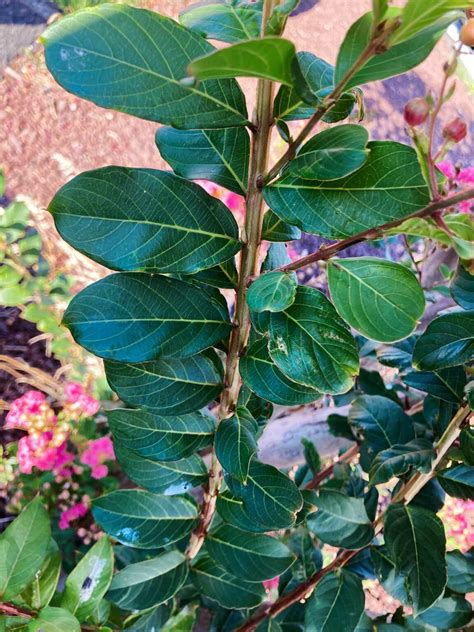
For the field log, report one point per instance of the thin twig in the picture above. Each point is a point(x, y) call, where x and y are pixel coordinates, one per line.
point(325, 473)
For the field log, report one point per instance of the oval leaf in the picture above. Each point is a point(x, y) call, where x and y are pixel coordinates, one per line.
point(462, 288)
point(144, 520)
point(388, 186)
point(275, 229)
point(166, 386)
point(161, 438)
point(223, 21)
point(399, 459)
point(272, 292)
point(232, 510)
point(133, 317)
point(448, 341)
point(54, 620)
point(252, 557)
point(381, 299)
point(236, 443)
point(100, 43)
point(149, 583)
point(39, 593)
point(144, 220)
point(458, 481)
point(447, 384)
point(312, 345)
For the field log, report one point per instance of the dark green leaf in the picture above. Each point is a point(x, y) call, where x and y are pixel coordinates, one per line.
point(167, 386)
point(458, 481)
point(144, 520)
point(149, 583)
point(183, 621)
point(381, 299)
point(133, 317)
point(219, 585)
point(311, 455)
point(392, 581)
point(224, 21)
point(396, 60)
point(54, 620)
point(399, 459)
point(334, 153)
point(39, 593)
point(312, 345)
point(161, 438)
point(460, 571)
point(222, 276)
point(277, 21)
point(448, 613)
point(157, 617)
point(341, 520)
point(336, 605)
point(165, 477)
point(144, 220)
point(466, 443)
point(221, 155)
point(101, 43)
point(272, 292)
point(266, 58)
point(232, 511)
point(249, 556)
point(236, 443)
point(447, 384)
point(447, 341)
point(275, 229)
point(265, 379)
point(389, 186)
point(87, 584)
point(23, 547)
point(383, 422)
point(462, 288)
point(270, 497)
point(418, 15)
point(416, 542)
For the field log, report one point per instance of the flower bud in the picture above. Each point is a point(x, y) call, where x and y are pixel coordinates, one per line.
point(467, 33)
point(455, 130)
point(416, 111)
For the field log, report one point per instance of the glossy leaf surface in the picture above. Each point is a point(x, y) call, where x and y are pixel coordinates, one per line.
point(448, 341)
point(224, 21)
point(272, 292)
point(236, 443)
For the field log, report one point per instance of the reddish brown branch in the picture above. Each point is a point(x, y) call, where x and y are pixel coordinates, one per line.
point(325, 473)
point(11, 610)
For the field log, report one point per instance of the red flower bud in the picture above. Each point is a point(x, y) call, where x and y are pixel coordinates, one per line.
point(416, 111)
point(455, 130)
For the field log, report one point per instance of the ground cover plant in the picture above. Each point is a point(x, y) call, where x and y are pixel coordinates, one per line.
point(209, 524)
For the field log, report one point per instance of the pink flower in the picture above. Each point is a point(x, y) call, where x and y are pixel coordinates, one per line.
point(466, 176)
point(20, 409)
point(73, 513)
point(458, 181)
point(271, 584)
point(96, 453)
point(40, 452)
point(447, 168)
point(77, 395)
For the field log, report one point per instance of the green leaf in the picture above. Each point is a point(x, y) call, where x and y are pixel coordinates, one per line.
point(227, 22)
point(266, 58)
point(219, 585)
point(132, 317)
point(270, 497)
point(312, 345)
point(416, 542)
point(232, 510)
point(156, 617)
point(448, 613)
point(341, 520)
point(462, 288)
point(236, 443)
point(388, 186)
point(334, 153)
point(462, 225)
point(418, 15)
point(167, 386)
point(144, 220)
point(466, 443)
point(396, 60)
point(23, 547)
point(400, 459)
point(221, 155)
point(222, 276)
point(54, 620)
point(165, 477)
point(446, 384)
point(161, 438)
point(315, 79)
point(391, 580)
point(274, 229)
point(144, 520)
point(15, 295)
point(272, 292)
point(101, 43)
point(149, 583)
point(265, 379)
point(336, 605)
point(381, 299)
point(448, 341)
point(182, 621)
point(88, 582)
point(252, 557)
point(382, 421)
point(460, 571)
point(458, 481)
point(9, 276)
point(39, 593)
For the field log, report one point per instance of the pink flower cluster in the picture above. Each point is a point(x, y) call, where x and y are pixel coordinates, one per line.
point(233, 201)
point(75, 512)
point(32, 403)
point(96, 453)
point(458, 517)
point(40, 451)
point(460, 178)
point(79, 401)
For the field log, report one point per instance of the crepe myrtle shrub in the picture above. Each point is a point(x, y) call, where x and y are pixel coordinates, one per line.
point(209, 521)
